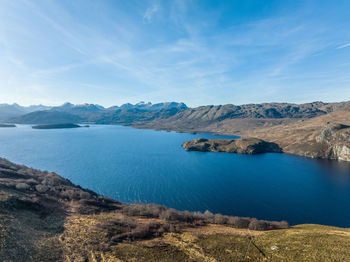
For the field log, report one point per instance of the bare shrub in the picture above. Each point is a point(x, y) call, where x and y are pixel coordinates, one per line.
point(147, 210)
point(69, 194)
point(170, 215)
point(258, 224)
point(31, 181)
point(198, 218)
point(239, 222)
point(41, 188)
point(220, 219)
point(22, 186)
point(280, 225)
point(84, 195)
point(208, 216)
point(267, 225)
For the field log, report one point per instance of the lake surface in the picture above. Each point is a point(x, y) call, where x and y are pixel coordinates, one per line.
point(151, 166)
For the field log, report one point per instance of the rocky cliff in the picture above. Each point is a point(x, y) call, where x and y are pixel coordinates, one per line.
point(335, 141)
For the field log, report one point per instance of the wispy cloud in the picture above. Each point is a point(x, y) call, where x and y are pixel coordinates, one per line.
point(150, 12)
point(343, 46)
point(118, 48)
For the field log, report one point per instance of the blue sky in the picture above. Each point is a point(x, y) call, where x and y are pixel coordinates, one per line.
point(198, 52)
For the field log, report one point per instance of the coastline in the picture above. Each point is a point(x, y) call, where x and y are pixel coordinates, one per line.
point(322, 137)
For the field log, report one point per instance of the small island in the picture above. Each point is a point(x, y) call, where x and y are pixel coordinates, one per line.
point(7, 125)
point(242, 146)
point(57, 126)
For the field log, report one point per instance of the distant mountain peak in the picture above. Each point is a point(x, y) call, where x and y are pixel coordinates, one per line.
point(67, 104)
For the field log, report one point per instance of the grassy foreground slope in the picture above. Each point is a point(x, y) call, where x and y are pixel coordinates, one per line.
point(215, 243)
point(44, 217)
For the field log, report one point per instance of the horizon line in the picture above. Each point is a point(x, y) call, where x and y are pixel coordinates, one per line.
point(155, 103)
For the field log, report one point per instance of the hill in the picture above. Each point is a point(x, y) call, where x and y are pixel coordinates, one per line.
point(326, 136)
point(8, 111)
point(125, 114)
point(47, 117)
point(236, 119)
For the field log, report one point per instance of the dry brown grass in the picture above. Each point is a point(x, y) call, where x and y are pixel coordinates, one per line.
point(291, 135)
point(211, 243)
point(212, 229)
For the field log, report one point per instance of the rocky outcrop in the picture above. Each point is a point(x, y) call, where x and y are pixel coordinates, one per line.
point(242, 146)
point(334, 140)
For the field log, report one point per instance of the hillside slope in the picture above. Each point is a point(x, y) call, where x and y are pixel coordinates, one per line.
point(232, 119)
point(8, 111)
point(326, 136)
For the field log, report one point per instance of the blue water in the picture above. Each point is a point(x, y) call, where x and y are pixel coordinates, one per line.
point(151, 166)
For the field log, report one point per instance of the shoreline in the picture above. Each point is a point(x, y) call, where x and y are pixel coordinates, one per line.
point(235, 135)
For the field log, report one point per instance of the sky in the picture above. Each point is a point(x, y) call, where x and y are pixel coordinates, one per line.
point(196, 52)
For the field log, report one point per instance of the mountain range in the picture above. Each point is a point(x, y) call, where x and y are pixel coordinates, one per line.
point(168, 115)
point(91, 113)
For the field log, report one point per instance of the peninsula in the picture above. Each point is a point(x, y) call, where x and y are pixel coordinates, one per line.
point(241, 145)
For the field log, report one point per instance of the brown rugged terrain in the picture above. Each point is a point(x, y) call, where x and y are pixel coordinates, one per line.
point(177, 116)
point(326, 136)
point(323, 136)
point(242, 146)
point(237, 119)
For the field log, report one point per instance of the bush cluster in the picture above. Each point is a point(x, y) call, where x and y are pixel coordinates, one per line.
point(198, 218)
point(118, 229)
